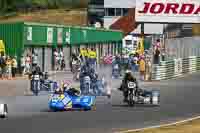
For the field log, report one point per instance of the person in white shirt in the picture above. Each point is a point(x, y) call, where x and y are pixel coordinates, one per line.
point(22, 65)
point(56, 59)
point(61, 57)
point(27, 64)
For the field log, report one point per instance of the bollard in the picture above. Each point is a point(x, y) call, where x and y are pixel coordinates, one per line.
point(3, 110)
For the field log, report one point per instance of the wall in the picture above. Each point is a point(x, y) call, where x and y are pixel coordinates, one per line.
point(119, 3)
point(183, 47)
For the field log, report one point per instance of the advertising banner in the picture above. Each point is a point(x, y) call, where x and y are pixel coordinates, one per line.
point(171, 11)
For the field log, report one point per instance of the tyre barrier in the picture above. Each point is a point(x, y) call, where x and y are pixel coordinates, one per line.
point(175, 68)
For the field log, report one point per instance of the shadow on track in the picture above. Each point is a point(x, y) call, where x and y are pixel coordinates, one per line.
point(136, 105)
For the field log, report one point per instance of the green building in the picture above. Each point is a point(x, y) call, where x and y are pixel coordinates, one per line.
point(22, 38)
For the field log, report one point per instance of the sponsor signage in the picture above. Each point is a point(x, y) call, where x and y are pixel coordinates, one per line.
point(171, 11)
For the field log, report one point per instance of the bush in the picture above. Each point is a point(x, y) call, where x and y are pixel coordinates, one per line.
point(25, 5)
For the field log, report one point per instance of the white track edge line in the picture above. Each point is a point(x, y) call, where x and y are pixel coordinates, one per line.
point(160, 126)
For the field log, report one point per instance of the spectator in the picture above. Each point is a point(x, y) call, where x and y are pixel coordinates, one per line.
point(142, 67)
point(157, 48)
point(3, 66)
point(14, 67)
point(22, 65)
point(56, 60)
point(27, 64)
point(9, 68)
point(92, 56)
point(1, 63)
point(35, 59)
point(157, 56)
point(135, 63)
point(61, 59)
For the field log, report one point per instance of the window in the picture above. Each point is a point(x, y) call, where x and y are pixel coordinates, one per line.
point(128, 42)
point(118, 12)
point(125, 11)
point(106, 11)
point(111, 11)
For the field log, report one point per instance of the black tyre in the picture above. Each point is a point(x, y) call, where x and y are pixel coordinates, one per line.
point(130, 100)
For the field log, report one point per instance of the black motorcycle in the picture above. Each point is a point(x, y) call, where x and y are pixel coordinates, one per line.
point(35, 84)
point(131, 86)
point(141, 96)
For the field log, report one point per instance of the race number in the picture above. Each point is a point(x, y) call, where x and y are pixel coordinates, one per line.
point(55, 98)
point(36, 77)
point(131, 85)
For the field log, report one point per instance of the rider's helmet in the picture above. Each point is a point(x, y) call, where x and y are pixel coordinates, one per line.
point(129, 75)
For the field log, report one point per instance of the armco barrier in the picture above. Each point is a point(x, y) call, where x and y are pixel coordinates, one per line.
point(175, 68)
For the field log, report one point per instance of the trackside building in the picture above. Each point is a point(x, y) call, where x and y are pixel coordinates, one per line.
point(21, 38)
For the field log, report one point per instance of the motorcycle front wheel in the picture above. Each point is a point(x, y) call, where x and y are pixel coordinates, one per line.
point(131, 102)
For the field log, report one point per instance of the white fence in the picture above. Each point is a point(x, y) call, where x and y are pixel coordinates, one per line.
point(175, 68)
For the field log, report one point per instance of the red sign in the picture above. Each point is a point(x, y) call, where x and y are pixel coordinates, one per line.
point(167, 8)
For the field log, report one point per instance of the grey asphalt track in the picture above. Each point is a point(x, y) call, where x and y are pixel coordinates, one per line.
point(179, 100)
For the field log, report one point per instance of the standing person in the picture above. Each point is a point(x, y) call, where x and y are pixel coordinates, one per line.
point(1, 70)
point(56, 60)
point(87, 55)
point(142, 67)
point(27, 64)
point(35, 59)
point(83, 54)
point(9, 68)
point(92, 55)
point(22, 65)
point(4, 68)
point(135, 60)
point(157, 48)
point(14, 67)
point(61, 58)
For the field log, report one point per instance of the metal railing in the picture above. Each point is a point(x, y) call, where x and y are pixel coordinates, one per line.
point(175, 68)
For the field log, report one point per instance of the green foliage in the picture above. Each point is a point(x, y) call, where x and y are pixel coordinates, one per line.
point(15, 5)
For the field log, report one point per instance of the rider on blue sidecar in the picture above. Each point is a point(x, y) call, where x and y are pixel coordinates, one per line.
point(87, 70)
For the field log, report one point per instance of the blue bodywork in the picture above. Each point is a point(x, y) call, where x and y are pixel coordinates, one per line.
point(59, 102)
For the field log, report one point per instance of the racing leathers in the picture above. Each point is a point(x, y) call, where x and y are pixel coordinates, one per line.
point(35, 78)
point(86, 70)
point(124, 86)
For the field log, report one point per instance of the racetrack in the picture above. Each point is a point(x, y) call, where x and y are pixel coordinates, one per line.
point(179, 100)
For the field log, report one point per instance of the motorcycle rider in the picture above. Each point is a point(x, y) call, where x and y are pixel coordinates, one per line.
point(66, 87)
point(117, 61)
point(87, 70)
point(129, 77)
point(36, 71)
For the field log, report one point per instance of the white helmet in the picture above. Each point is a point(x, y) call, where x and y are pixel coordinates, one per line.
point(128, 71)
